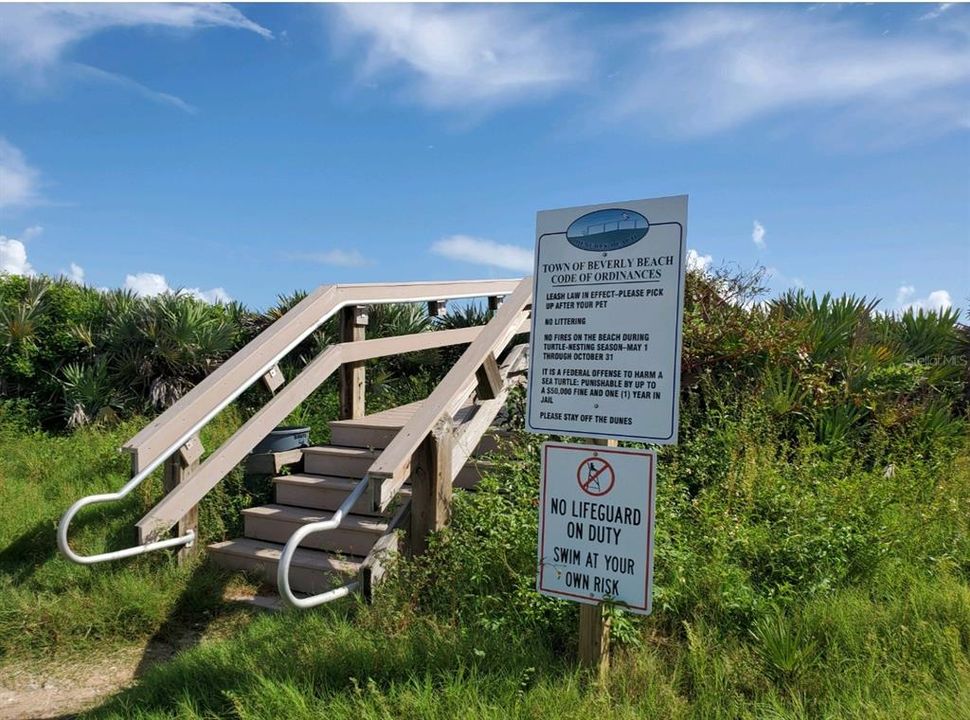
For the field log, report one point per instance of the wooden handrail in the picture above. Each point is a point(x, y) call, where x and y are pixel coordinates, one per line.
point(389, 471)
point(186, 495)
point(255, 359)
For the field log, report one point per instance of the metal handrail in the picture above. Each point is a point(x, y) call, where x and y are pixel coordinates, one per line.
point(332, 523)
point(62, 527)
point(283, 568)
point(189, 538)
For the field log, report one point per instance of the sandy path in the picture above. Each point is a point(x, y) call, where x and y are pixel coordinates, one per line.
point(31, 691)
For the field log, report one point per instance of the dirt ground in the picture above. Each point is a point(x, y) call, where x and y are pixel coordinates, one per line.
point(44, 689)
point(35, 690)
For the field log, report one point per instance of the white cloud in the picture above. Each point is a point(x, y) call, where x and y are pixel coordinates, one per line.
point(460, 55)
point(937, 11)
point(147, 284)
point(717, 68)
point(214, 295)
point(341, 258)
point(936, 300)
point(76, 274)
point(904, 293)
point(37, 39)
point(484, 252)
point(13, 257)
point(19, 182)
point(152, 284)
point(758, 235)
point(32, 232)
point(696, 261)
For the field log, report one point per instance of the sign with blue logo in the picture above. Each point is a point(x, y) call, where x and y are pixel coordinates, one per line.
point(607, 309)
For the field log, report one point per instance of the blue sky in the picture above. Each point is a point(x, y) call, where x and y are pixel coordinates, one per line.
point(246, 151)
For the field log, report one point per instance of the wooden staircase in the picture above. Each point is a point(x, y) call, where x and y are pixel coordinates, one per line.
point(392, 469)
point(329, 474)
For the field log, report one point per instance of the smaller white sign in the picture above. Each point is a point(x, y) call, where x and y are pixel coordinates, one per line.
point(596, 524)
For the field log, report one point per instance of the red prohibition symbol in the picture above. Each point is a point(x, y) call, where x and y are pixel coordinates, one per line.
point(595, 476)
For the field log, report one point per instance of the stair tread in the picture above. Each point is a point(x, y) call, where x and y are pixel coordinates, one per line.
point(341, 451)
point(390, 418)
point(330, 482)
point(310, 559)
point(302, 515)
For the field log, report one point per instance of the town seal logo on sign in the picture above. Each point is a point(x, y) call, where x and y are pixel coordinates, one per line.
point(604, 230)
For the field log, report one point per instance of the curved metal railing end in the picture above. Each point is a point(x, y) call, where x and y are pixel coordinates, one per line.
point(283, 569)
point(62, 542)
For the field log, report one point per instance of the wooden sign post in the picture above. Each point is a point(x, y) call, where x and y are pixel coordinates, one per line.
point(607, 309)
point(594, 625)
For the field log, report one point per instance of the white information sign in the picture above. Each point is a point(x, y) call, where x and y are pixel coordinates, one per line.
point(596, 524)
point(607, 308)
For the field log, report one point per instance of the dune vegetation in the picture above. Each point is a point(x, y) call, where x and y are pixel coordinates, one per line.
point(812, 549)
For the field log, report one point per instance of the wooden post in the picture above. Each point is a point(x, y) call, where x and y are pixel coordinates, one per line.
point(494, 301)
point(353, 324)
point(178, 469)
point(437, 308)
point(431, 478)
point(594, 625)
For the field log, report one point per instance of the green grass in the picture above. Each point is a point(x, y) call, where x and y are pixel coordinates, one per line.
point(793, 580)
point(51, 606)
point(900, 656)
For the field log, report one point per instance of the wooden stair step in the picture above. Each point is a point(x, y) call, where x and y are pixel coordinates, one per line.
point(372, 431)
point(349, 462)
point(376, 431)
point(311, 571)
point(277, 523)
point(322, 492)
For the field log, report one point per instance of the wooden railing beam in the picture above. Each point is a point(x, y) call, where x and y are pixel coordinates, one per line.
point(489, 378)
point(176, 503)
point(388, 471)
point(244, 367)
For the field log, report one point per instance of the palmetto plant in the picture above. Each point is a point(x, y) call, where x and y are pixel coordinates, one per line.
point(90, 393)
point(783, 393)
point(834, 424)
point(163, 346)
point(829, 324)
point(395, 319)
point(306, 350)
point(785, 648)
point(19, 321)
point(927, 334)
point(468, 315)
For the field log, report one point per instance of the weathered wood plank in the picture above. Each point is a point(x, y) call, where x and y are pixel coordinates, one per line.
point(387, 472)
point(594, 623)
point(489, 378)
point(178, 469)
point(164, 515)
point(594, 639)
point(258, 355)
point(468, 435)
point(380, 557)
point(273, 378)
point(431, 489)
point(158, 435)
point(353, 324)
